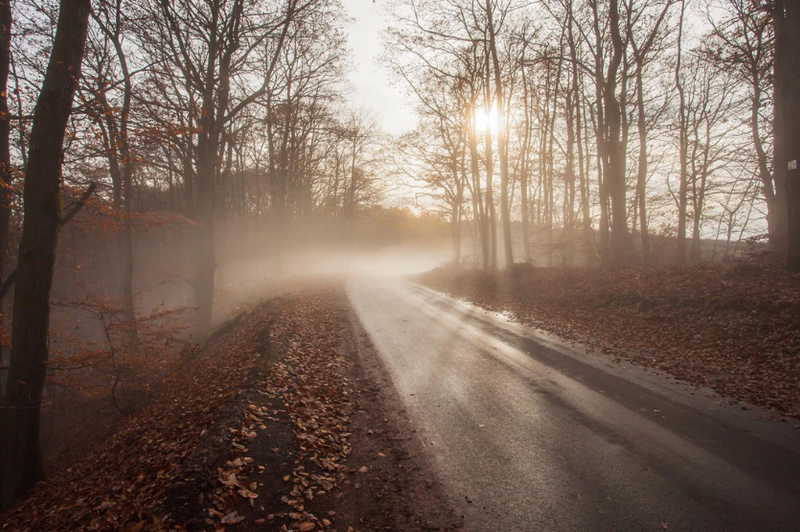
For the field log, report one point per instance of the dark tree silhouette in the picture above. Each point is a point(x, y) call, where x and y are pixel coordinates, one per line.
point(21, 459)
point(787, 116)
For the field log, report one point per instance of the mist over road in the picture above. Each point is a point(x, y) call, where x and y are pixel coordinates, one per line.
point(529, 435)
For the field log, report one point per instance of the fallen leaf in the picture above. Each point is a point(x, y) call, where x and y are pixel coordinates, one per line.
point(232, 518)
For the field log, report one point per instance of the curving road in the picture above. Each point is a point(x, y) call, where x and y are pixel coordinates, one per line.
point(531, 435)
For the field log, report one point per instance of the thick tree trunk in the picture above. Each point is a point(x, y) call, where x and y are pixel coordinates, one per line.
point(124, 152)
point(787, 84)
point(778, 218)
point(5, 132)
point(776, 203)
point(549, 158)
point(505, 207)
point(695, 251)
point(5, 159)
point(491, 210)
point(490, 207)
point(582, 174)
point(204, 278)
point(205, 259)
point(600, 135)
point(21, 460)
point(455, 210)
point(127, 275)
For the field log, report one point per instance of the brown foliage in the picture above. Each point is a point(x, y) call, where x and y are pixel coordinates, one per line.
point(131, 481)
point(126, 478)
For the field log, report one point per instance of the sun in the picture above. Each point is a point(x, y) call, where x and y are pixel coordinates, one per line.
point(484, 120)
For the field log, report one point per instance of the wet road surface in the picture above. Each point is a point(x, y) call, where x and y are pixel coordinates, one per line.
point(528, 434)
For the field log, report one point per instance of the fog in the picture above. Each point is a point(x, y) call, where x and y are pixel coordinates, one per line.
point(105, 362)
point(241, 282)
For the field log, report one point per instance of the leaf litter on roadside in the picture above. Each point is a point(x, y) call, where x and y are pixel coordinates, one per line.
point(734, 329)
point(316, 395)
point(123, 484)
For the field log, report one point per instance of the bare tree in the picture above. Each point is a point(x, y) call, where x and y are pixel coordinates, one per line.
point(210, 54)
point(21, 460)
point(435, 154)
point(743, 42)
point(107, 72)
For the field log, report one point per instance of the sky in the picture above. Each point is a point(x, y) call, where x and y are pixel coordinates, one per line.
point(371, 80)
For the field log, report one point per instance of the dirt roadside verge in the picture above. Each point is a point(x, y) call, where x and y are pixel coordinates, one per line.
point(286, 421)
point(399, 490)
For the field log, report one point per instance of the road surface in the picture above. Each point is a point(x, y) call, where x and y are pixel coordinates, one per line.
point(528, 434)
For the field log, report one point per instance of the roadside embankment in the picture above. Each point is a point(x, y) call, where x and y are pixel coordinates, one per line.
point(734, 328)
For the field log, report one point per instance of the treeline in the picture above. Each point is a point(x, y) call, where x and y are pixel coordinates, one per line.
point(603, 125)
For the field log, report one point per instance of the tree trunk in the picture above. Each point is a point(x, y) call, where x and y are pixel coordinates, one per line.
point(614, 171)
point(787, 84)
point(482, 228)
point(490, 207)
point(524, 168)
point(776, 203)
point(569, 178)
point(502, 149)
point(21, 460)
point(127, 275)
point(5, 133)
point(582, 175)
point(683, 148)
point(5, 159)
point(696, 251)
point(122, 149)
point(600, 134)
point(641, 175)
point(455, 228)
point(205, 260)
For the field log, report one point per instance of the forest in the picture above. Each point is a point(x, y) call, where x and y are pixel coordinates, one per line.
point(165, 161)
point(615, 129)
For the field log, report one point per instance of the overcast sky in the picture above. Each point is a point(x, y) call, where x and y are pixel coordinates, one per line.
point(370, 79)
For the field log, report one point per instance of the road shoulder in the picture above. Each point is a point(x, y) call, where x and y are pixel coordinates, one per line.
point(399, 489)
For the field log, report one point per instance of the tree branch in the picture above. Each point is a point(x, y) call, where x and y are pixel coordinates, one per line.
point(9, 281)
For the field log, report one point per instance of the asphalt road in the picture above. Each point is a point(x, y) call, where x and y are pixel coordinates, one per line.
point(528, 434)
